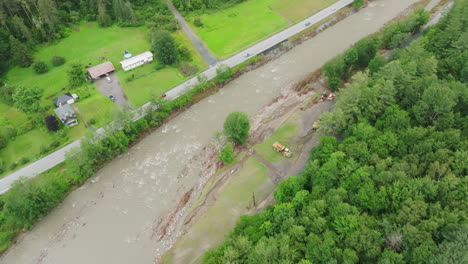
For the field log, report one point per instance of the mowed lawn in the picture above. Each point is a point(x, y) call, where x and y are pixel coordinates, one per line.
point(296, 10)
point(228, 31)
point(148, 83)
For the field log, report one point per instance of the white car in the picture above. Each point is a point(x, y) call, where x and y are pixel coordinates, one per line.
point(108, 79)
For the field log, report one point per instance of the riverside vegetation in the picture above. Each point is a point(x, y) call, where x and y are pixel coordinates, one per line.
point(392, 186)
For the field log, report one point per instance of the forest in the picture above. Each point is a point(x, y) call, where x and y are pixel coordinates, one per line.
point(387, 182)
point(27, 23)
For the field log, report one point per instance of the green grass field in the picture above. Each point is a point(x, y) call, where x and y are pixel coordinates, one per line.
point(148, 82)
point(27, 145)
point(220, 218)
point(228, 31)
point(296, 10)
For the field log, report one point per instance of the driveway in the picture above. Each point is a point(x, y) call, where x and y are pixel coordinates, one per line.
point(113, 88)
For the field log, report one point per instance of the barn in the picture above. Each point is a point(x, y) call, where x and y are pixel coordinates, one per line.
point(100, 70)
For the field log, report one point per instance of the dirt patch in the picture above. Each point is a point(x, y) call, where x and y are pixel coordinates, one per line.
point(161, 228)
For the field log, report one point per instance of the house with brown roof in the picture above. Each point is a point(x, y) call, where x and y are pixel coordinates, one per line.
point(100, 70)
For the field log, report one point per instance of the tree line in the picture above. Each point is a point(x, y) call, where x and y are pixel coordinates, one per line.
point(392, 189)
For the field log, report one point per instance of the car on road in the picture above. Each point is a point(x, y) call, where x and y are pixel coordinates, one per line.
point(307, 24)
point(112, 98)
point(108, 79)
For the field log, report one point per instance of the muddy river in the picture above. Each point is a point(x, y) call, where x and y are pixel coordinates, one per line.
point(111, 218)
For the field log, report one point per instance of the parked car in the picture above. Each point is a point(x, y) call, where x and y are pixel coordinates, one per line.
point(108, 79)
point(112, 98)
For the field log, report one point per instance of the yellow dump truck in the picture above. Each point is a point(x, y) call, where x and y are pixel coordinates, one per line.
point(280, 148)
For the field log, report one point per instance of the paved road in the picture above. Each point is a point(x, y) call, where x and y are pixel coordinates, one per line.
point(202, 49)
point(58, 156)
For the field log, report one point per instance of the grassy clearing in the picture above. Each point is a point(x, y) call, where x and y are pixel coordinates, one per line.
point(284, 134)
point(97, 107)
point(148, 82)
point(27, 145)
point(228, 31)
point(219, 219)
point(296, 10)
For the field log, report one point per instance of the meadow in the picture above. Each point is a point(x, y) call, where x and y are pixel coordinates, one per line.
point(233, 29)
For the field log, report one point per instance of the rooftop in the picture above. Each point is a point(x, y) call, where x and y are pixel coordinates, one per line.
point(101, 69)
point(63, 112)
point(136, 58)
point(63, 98)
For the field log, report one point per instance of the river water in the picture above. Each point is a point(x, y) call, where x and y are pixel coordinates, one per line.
point(111, 218)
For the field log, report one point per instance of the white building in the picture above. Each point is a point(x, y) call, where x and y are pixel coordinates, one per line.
point(136, 61)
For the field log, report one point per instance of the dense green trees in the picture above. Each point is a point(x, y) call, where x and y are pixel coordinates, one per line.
point(365, 50)
point(164, 48)
point(237, 126)
point(189, 5)
point(27, 99)
point(76, 75)
point(392, 190)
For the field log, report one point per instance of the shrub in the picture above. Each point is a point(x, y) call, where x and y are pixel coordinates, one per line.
point(54, 144)
point(187, 68)
point(24, 160)
point(40, 67)
point(224, 73)
point(58, 60)
point(237, 127)
point(333, 83)
point(226, 154)
point(2, 166)
point(51, 123)
point(197, 22)
point(184, 53)
point(76, 75)
point(92, 121)
point(358, 3)
point(3, 142)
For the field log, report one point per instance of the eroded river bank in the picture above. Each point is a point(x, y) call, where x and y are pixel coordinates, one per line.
point(113, 217)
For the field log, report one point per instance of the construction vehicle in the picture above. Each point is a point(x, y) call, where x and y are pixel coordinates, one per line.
point(280, 148)
point(315, 126)
point(327, 96)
